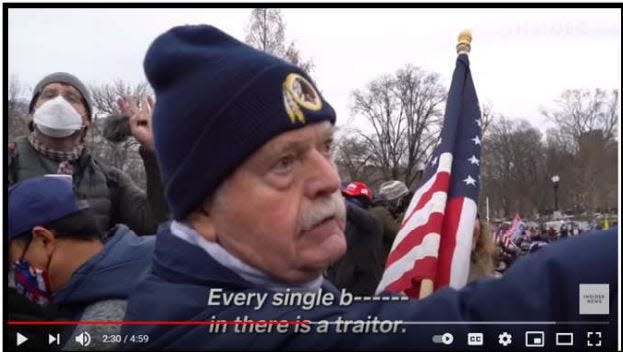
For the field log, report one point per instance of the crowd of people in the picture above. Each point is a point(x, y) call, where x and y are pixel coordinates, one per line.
point(242, 195)
point(531, 236)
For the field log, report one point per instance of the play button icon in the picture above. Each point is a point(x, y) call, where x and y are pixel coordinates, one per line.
point(21, 339)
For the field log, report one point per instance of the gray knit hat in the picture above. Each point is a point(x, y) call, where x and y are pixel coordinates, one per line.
point(66, 78)
point(393, 189)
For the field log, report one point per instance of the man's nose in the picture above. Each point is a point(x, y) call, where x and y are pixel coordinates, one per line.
point(323, 177)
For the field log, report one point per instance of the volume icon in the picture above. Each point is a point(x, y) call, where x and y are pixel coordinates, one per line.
point(84, 339)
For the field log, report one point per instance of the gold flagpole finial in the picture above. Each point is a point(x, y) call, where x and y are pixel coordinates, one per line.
point(465, 40)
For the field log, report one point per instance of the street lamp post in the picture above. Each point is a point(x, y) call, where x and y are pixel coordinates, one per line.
point(555, 181)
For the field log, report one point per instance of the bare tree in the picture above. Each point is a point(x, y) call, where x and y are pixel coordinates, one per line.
point(109, 135)
point(105, 96)
point(421, 96)
point(266, 31)
point(488, 115)
point(15, 89)
point(404, 110)
point(17, 109)
point(580, 110)
point(517, 164)
point(587, 122)
point(352, 156)
point(514, 168)
point(293, 55)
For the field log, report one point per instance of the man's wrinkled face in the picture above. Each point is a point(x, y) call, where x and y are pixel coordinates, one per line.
point(281, 210)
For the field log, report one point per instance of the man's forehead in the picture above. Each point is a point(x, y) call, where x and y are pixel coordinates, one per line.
point(60, 85)
point(312, 132)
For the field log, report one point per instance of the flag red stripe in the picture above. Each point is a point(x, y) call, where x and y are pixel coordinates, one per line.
point(454, 209)
point(415, 237)
point(422, 269)
point(442, 183)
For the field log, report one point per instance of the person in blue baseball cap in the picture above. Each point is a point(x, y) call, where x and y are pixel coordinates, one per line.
point(43, 213)
point(59, 255)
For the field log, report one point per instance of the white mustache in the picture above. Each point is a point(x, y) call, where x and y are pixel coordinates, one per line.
point(323, 209)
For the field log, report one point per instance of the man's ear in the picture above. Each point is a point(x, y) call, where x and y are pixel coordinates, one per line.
point(203, 223)
point(45, 237)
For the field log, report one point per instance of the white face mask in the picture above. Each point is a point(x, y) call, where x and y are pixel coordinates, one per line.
point(57, 118)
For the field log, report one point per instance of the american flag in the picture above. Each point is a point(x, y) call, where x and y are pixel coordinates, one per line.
point(513, 232)
point(435, 238)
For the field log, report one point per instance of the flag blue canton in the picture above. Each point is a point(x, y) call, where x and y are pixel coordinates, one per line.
point(461, 135)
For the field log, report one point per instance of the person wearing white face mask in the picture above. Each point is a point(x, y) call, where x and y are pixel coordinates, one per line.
point(61, 111)
point(57, 118)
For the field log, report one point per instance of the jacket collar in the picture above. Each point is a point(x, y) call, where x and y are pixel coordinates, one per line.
point(178, 259)
point(112, 272)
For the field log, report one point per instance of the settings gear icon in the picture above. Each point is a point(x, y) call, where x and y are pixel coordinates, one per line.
point(505, 339)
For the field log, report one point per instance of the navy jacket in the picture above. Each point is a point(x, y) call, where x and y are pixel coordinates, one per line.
point(359, 271)
point(110, 274)
point(539, 287)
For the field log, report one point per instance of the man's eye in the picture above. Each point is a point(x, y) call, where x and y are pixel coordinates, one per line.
point(285, 163)
point(72, 98)
point(49, 94)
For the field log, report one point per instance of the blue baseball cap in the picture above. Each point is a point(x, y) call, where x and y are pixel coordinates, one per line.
point(40, 201)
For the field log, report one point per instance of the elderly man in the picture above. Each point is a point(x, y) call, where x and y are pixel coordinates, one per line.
point(59, 256)
point(61, 111)
point(258, 217)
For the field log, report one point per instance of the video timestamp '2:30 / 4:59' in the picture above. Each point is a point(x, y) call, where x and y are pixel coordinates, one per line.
point(124, 339)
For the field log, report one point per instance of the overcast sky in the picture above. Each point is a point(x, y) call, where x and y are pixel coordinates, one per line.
point(522, 59)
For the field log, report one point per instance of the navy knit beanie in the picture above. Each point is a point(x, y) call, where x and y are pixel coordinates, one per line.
point(219, 100)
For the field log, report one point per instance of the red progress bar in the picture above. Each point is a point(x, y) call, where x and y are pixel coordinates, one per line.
point(158, 322)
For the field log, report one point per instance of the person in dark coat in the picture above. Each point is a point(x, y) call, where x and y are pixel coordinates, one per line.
point(397, 197)
point(258, 217)
point(359, 271)
point(61, 111)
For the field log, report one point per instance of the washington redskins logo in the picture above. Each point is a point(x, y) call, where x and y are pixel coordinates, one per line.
point(299, 94)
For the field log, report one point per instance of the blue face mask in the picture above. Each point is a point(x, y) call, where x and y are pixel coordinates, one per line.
point(33, 283)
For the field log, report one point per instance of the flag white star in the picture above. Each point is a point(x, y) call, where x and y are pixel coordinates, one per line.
point(476, 140)
point(470, 181)
point(479, 123)
point(473, 160)
point(435, 160)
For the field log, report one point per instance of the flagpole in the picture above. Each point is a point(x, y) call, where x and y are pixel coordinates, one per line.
point(463, 47)
point(488, 224)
